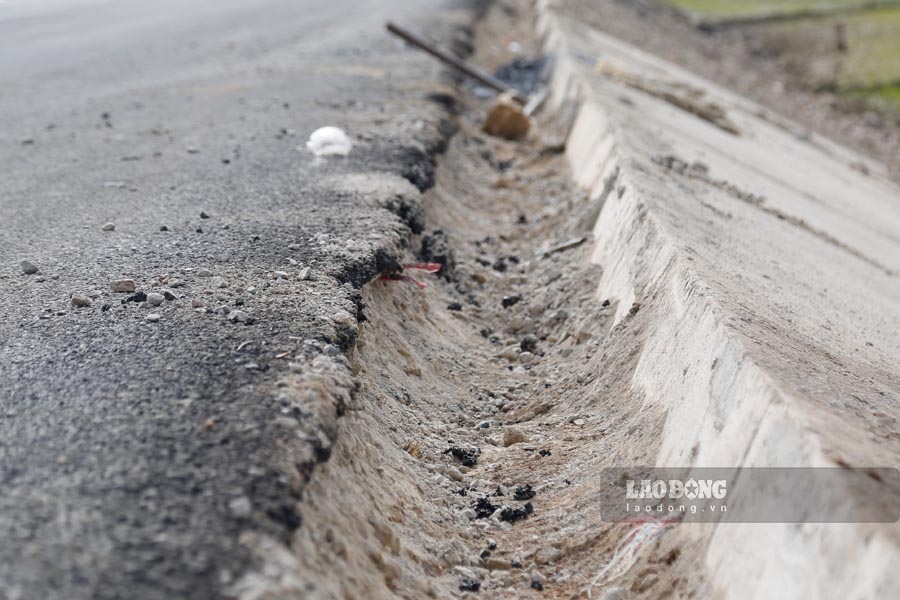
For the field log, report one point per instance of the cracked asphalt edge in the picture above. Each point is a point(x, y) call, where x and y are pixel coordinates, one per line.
point(320, 385)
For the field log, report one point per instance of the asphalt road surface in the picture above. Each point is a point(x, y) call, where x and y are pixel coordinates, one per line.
point(133, 453)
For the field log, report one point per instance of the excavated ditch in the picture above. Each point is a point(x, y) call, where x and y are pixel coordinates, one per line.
point(468, 459)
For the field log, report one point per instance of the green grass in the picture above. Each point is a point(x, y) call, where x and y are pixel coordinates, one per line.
point(871, 66)
point(749, 8)
point(886, 97)
point(873, 40)
point(874, 57)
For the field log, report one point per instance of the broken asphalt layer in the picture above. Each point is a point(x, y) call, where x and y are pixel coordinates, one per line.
point(767, 262)
point(133, 453)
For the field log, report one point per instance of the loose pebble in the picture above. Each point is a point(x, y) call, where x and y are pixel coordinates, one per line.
point(81, 301)
point(514, 435)
point(240, 507)
point(239, 316)
point(306, 274)
point(509, 353)
point(614, 593)
point(108, 227)
point(152, 318)
point(342, 317)
point(28, 268)
point(280, 275)
point(155, 299)
point(122, 285)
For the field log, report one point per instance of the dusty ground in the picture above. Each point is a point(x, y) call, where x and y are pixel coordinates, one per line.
point(469, 460)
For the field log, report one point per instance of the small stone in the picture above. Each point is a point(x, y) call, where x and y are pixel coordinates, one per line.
point(294, 246)
point(240, 507)
point(204, 273)
point(280, 275)
point(342, 317)
point(170, 295)
point(578, 422)
point(218, 282)
point(154, 299)
point(560, 315)
point(306, 274)
point(94, 294)
point(497, 564)
point(81, 300)
point(122, 285)
point(176, 283)
point(203, 215)
point(28, 268)
point(465, 572)
point(454, 474)
point(526, 358)
point(163, 227)
point(239, 316)
point(509, 353)
point(513, 435)
point(548, 555)
point(108, 227)
point(614, 593)
point(197, 303)
point(192, 149)
point(152, 318)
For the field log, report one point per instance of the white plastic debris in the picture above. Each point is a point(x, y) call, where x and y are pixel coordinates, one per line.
point(326, 141)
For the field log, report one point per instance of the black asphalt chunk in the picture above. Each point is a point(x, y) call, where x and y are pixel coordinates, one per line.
point(467, 456)
point(484, 508)
point(509, 301)
point(524, 492)
point(516, 514)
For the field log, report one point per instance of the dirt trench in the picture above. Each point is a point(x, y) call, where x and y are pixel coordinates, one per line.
point(469, 461)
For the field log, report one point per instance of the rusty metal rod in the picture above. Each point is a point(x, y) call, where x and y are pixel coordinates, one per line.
point(456, 62)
